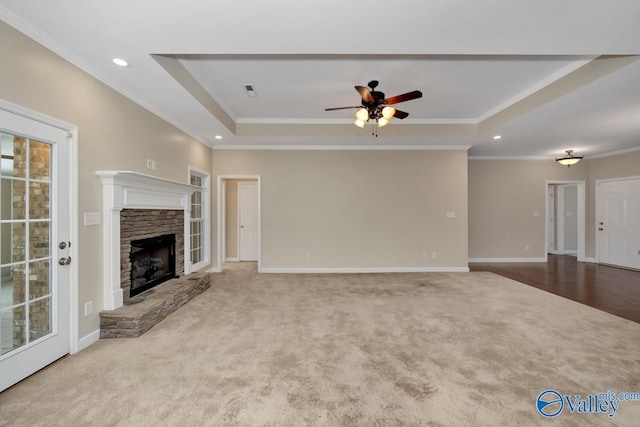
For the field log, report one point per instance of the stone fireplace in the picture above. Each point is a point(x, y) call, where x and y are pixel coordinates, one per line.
point(137, 207)
point(152, 261)
point(152, 248)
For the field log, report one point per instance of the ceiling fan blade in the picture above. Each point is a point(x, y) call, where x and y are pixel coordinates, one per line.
point(365, 94)
point(341, 108)
point(404, 97)
point(400, 114)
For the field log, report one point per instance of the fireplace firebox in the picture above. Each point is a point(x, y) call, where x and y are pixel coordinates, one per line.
point(153, 261)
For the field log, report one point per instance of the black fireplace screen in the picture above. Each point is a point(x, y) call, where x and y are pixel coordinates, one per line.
point(153, 261)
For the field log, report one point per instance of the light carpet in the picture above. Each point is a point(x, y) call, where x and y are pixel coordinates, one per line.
point(434, 349)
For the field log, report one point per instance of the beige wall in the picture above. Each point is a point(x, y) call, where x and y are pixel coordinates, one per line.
point(357, 209)
point(114, 134)
point(503, 194)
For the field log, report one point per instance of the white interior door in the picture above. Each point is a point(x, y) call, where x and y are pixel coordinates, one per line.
point(248, 221)
point(34, 289)
point(551, 219)
point(570, 220)
point(618, 224)
point(560, 219)
point(567, 219)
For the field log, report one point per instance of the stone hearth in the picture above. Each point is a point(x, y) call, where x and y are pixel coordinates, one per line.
point(130, 321)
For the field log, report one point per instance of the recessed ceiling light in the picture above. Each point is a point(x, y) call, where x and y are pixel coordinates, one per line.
point(218, 136)
point(497, 137)
point(120, 62)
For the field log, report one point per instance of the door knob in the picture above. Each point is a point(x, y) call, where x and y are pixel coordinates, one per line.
point(64, 261)
point(62, 245)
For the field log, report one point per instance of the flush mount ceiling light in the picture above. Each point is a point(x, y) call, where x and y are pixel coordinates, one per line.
point(569, 159)
point(120, 62)
point(496, 137)
point(218, 136)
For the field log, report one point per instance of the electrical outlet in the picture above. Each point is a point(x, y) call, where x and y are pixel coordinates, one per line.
point(307, 255)
point(149, 164)
point(88, 308)
point(425, 255)
point(434, 255)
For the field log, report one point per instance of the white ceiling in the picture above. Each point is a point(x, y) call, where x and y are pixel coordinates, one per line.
point(531, 71)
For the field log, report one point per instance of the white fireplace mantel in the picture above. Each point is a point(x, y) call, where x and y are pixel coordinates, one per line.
point(133, 190)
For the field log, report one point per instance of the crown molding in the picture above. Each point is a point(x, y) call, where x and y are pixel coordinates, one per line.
point(309, 121)
point(510, 158)
point(346, 147)
point(615, 153)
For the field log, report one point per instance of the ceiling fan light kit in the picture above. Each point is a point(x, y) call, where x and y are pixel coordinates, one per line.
point(374, 106)
point(569, 159)
point(388, 112)
point(362, 115)
point(360, 123)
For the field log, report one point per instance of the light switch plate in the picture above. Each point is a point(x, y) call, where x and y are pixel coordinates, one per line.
point(91, 218)
point(451, 214)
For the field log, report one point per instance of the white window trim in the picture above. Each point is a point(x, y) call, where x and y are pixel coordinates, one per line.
point(206, 218)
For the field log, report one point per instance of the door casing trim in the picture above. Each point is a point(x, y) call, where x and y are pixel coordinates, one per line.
point(72, 131)
point(220, 206)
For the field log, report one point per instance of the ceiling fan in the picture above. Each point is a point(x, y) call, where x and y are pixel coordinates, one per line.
point(375, 106)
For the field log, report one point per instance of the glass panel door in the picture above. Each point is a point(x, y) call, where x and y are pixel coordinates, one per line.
point(35, 218)
point(26, 309)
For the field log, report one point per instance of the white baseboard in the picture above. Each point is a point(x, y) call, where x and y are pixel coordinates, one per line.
point(542, 259)
point(232, 259)
point(348, 270)
point(89, 339)
point(215, 270)
point(591, 260)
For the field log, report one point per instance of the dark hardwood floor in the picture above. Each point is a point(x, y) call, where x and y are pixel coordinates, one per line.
point(614, 290)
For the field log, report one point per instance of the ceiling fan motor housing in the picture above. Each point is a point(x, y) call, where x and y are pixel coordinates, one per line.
point(374, 102)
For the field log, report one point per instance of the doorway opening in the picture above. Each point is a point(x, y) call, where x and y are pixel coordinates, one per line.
point(565, 218)
point(239, 222)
